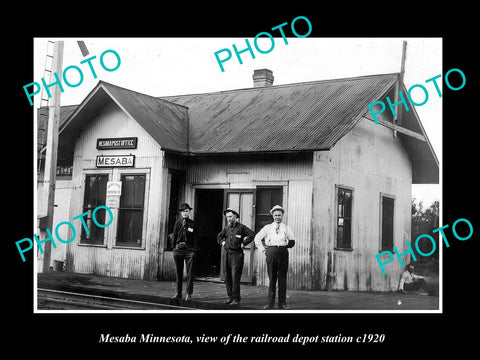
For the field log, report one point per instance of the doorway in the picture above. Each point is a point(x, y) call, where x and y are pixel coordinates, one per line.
point(209, 222)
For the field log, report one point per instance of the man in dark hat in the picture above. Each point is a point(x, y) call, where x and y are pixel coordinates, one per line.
point(275, 239)
point(233, 238)
point(184, 246)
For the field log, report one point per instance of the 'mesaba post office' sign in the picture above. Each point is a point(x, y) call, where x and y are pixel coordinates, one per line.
point(115, 160)
point(117, 143)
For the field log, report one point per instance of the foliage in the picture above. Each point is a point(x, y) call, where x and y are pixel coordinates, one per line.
point(424, 221)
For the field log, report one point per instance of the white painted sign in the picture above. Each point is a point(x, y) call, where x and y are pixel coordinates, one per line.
point(114, 188)
point(116, 161)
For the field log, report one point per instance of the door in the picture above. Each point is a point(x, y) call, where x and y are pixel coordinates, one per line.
point(242, 201)
point(208, 209)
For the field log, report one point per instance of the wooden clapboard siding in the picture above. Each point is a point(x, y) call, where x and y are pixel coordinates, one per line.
point(370, 161)
point(109, 260)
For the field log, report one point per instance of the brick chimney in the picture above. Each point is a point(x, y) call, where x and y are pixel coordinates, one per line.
point(262, 77)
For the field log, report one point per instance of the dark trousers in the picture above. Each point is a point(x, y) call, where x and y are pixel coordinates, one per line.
point(416, 285)
point(233, 265)
point(277, 267)
point(180, 257)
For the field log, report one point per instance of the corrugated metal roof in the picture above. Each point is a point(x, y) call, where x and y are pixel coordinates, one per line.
point(282, 118)
point(42, 123)
point(165, 121)
point(294, 117)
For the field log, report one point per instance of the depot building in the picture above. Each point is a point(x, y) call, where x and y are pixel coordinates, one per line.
point(311, 147)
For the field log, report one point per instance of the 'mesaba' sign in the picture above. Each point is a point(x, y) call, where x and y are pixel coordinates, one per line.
point(116, 161)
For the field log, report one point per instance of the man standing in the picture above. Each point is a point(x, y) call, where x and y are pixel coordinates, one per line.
point(184, 247)
point(233, 238)
point(275, 239)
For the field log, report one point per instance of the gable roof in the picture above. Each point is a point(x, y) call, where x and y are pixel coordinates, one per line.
point(282, 118)
point(166, 122)
point(295, 117)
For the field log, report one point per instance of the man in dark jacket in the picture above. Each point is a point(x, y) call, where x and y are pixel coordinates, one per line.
point(233, 238)
point(184, 246)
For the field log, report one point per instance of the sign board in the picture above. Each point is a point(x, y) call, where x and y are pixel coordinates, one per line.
point(115, 161)
point(117, 143)
point(114, 188)
point(113, 202)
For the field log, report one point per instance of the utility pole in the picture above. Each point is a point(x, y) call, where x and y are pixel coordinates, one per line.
point(50, 172)
point(400, 80)
point(397, 120)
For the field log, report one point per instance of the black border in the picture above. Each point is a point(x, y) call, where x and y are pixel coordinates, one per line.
point(427, 334)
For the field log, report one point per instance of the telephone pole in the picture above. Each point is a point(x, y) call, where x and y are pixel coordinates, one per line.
point(50, 172)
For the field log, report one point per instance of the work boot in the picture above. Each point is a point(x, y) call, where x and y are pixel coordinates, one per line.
point(234, 303)
point(177, 296)
point(268, 307)
point(283, 307)
point(229, 301)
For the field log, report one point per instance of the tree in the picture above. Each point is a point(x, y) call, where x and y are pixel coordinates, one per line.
point(424, 221)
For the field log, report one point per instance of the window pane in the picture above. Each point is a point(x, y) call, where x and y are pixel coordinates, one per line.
point(387, 223)
point(139, 191)
point(95, 194)
point(348, 204)
point(266, 198)
point(263, 201)
point(340, 236)
point(130, 214)
point(128, 188)
point(277, 196)
point(347, 235)
point(130, 227)
point(344, 218)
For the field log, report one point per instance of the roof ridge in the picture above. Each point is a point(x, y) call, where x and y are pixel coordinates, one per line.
point(139, 93)
point(280, 86)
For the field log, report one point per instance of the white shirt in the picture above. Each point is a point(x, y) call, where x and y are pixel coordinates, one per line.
point(274, 237)
point(408, 278)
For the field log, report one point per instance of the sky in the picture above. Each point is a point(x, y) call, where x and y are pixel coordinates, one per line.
point(175, 66)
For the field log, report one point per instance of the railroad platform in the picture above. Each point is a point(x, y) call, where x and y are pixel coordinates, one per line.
point(210, 295)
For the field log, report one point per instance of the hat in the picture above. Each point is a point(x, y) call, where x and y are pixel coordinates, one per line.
point(277, 207)
point(184, 206)
point(230, 210)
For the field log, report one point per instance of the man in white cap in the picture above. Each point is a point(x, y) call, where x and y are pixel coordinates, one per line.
point(233, 238)
point(275, 239)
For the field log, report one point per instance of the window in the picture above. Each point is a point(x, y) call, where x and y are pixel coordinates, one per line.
point(130, 212)
point(387, 223)
point(95, 193)
point(344, 218)
point(267, 197)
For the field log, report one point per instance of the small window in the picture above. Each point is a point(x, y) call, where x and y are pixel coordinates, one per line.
point(95, 194)
point(266, 198)
point(387, 223)
point(344, 218)
point(130, 212)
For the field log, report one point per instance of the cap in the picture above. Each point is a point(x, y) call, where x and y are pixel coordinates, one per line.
point(230, 210)
point(277, 207)
point(184, 206)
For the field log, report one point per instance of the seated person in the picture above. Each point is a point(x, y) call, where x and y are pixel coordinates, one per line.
point(411, 282)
